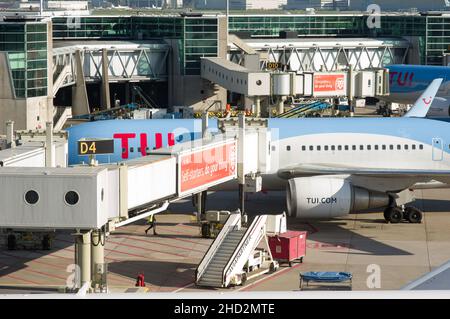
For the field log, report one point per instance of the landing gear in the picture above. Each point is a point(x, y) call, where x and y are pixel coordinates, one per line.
point(395, 215)
point(413, 215)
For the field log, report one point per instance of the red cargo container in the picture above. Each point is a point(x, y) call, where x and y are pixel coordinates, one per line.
point(288, 246)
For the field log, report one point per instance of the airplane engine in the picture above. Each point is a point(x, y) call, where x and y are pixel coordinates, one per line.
point(327, 197)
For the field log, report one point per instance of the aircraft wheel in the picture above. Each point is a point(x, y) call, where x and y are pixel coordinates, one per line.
point(386, 213)
point(205, 230)
point(12, 243)
point(414, 215)
point(243, 279)
point(395, 215)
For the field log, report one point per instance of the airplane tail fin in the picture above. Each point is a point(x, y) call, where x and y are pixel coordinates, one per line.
point(423, 103)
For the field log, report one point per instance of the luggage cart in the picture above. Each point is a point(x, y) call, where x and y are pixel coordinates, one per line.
point(288, 247)
point(325, 277)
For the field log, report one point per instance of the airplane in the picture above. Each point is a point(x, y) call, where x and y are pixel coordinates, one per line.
point(407, 82)
point(330, 166)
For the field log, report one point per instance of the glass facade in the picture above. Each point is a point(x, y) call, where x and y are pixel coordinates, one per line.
point(315, 25)
point(200, 40)
point(73, 27)
point(36, 59)
point(26, 42)
point(197, 36)
point(431, 44)
point(26, 46)
point(437, 39)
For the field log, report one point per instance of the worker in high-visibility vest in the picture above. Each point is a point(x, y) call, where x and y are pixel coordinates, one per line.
point(151, 221)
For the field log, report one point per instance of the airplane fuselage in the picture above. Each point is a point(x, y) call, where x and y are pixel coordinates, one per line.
point(386, 143)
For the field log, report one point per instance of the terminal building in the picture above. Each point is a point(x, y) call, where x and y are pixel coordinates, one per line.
point(50, 63)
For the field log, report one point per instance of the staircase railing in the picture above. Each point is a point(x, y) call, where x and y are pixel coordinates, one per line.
point(246, 245)
point(233, 223)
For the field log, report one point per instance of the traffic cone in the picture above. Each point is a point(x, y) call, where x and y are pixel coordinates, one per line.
point(140, 281)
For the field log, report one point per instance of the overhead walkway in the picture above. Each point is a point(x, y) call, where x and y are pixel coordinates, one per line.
point(303, 109)
point(326, 54)
point(126, 61)
point(223, 264)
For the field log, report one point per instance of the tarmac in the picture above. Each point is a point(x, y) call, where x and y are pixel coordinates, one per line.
point(363, 244)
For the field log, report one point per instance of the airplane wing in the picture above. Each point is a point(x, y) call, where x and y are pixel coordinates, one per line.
point(333, 169)
point(380, 179)
point(423, 103)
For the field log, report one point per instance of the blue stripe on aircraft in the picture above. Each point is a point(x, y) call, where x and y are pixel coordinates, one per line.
point(417, 129)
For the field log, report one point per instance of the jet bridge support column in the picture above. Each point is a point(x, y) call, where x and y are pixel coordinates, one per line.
point(257, 106)
point(83, 255)
point(241, 169)
point(350, 90)
point(98, 239)
point(280, 108)
point(10, 134)
point(106, 99)
point(49, 158)
point(201, 197)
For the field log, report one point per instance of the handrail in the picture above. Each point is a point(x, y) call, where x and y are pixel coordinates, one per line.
point(298, 108)
point(255, 225)
point(303, 109)
point(231, 222)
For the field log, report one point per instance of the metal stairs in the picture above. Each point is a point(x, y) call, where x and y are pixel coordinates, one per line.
point(223, 263)
point(212, 277)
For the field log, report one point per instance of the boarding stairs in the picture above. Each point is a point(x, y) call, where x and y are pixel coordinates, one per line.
point(224, 262)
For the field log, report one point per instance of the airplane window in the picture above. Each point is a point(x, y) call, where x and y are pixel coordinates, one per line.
point(123, 150)
point(376, 147)
point(326, 147)
point(406, 146)
point(413, 146)
point(339, 147)
point(368, 147)
point(131, 149)
point(421, 146)
point(333, 147)
point(383, 147)
point(303, 148)
point(318, 147)
point(361, 147)
point(311, 148)
point(391, 147)
point(399, 147)
point(288, 148)
point(354, 147)
point(346, 147)
point(139, 149)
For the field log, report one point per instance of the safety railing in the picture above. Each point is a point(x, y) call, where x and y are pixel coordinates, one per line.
point(232, 222)
point(247, 244)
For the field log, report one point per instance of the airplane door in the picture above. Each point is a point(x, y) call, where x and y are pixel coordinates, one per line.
point(438, 149)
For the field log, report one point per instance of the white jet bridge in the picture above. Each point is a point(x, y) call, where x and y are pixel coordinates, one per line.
point(95, 200)
point(252, 82)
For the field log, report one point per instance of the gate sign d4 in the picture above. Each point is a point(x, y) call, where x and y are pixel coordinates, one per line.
point(95, 146)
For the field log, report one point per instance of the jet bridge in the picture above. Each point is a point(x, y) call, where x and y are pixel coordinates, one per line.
point(258, 84)
point(96, 199)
